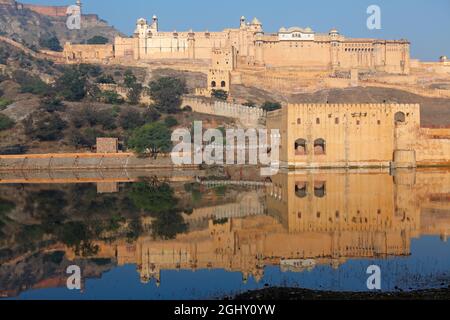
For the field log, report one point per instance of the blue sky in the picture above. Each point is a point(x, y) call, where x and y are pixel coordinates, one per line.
point(426, 23)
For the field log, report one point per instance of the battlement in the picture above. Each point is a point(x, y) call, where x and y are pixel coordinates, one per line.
point(51, 11)
point(247, 116)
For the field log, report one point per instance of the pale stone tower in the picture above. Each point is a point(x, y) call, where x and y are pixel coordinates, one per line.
point(154, 25)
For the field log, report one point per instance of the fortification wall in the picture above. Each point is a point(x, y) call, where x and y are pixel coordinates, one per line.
point(51, 11)
point(247, 116)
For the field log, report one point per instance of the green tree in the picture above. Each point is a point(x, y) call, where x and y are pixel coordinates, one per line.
point(72, 85)
point(97, 40)
point(271, 106)
point(154, 198)
point(133, 86)
point(154, 137)
point(219, 94)
point(167, 93)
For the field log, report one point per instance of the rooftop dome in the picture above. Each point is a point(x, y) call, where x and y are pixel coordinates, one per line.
point(443, 58)
point(141, 21)
point(256, 21)
point(334, 31)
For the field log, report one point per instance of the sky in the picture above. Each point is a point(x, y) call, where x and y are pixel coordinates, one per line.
point(425, 23)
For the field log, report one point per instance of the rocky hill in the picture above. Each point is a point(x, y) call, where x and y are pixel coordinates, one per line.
point(30, 26)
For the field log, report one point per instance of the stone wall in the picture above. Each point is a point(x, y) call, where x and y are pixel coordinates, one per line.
point(83, 161)
point(247, 116)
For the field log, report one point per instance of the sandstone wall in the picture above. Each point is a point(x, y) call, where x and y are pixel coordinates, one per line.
point(247, 116)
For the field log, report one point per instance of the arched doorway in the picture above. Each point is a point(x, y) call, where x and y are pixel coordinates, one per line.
point(300, 147)
point(319, 146)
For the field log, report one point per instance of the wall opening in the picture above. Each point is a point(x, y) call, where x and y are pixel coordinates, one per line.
point(223, 84)
point(399, 117)
point(301, 189)
point(213, 84)
point(320, 189)
point(300, 147)
point(319, 147)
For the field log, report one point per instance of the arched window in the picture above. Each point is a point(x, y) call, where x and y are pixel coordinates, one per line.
point(319, 147)
point(399, 117)
point(319, 189)
point(300, 147)
point(213, 84)
point(222, 84)
point(301, 189)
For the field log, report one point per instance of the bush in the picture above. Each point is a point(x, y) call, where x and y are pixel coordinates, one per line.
point(110, 97)
point(6, 122)
point(151, 115)
point(249, 104)
point(170, 122)
point(4, 103)
point(31, 84)
point(97, 40)
point(271, 106)
point(85, 138)
point(89, 116)
point(130, 119)
point(153, 137)
point(219, 94)
point(51, 43)
point(106, 79)
point(48, 128)
point(167, 94)
point(52, 104)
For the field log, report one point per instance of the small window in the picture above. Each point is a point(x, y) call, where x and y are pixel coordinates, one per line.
point(399, 117)
point(317, 121)
point(319, 189)
point(301, 189)
point(336, 120)
point(299, 121)
point(213, 84)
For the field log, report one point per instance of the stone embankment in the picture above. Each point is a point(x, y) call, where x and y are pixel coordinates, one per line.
point(84, 161)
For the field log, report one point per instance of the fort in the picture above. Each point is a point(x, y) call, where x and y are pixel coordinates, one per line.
point(357, 135)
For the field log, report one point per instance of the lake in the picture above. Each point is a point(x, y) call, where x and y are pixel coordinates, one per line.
point(209, 235)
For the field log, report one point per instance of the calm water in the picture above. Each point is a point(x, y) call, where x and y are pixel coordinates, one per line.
point(204, 235)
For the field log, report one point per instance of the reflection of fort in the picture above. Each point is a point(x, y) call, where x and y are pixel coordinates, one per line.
point(314, 218)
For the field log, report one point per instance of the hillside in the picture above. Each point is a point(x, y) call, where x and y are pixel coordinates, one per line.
point(31, 28)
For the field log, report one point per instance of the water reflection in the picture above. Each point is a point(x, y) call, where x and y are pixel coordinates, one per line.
point(293, 221)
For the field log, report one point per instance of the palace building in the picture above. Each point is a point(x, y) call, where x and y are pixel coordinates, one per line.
point(251, 47)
